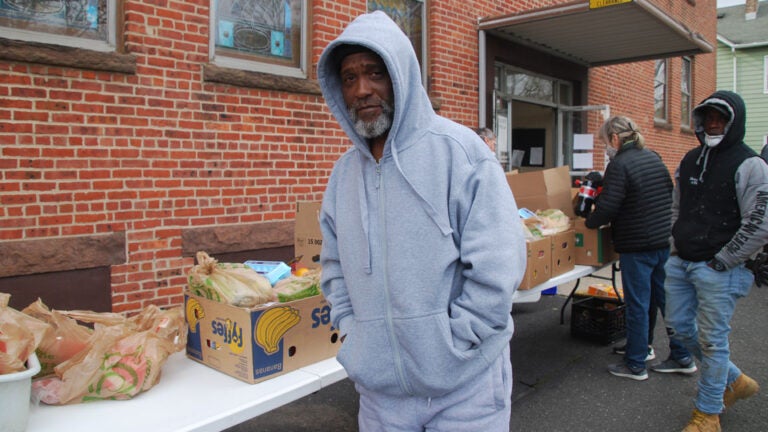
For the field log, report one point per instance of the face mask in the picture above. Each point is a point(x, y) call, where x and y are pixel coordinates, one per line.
point(712, 140)
point(610, 152)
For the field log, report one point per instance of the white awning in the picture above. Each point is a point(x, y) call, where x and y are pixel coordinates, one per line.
point(618, 32)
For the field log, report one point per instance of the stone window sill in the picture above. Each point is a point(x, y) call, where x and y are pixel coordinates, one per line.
point(34, 52)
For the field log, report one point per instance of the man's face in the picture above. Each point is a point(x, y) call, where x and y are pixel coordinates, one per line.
point(714, 122)
point(367, 90)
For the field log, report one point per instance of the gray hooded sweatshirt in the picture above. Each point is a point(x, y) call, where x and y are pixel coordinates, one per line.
point(422, 251)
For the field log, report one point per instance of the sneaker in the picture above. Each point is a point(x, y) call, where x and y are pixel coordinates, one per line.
point(621, 350)
point(671, 365)
point(742, 388)
point(701, 422)
point(624, 371)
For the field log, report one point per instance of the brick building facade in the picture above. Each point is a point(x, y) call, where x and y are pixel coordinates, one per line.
point(117, 166)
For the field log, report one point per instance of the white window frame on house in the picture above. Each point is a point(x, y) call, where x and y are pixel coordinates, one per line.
point(296, 66)
point(661, 91)
point(424, 57)
point(17, 27)
point(686, 90)
point(765, 74)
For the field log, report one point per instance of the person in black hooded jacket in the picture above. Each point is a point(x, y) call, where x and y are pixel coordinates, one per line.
point(637, 201)
point(719, 222)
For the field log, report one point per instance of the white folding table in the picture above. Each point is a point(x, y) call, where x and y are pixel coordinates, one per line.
point(189, 397)
point(192, 397)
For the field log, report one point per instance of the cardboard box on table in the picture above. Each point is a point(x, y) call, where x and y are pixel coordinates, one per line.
point(294, 335)
point(593, 246)
point(307, 238)
point(541, 190)
point(551, 188)
point(538, 267)
point(563, 252)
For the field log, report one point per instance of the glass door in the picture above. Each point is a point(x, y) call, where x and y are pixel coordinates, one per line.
point(502, 127)
point(575, 147)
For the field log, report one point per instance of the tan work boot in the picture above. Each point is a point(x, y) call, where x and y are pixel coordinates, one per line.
point(701, 422)
point(742, 388)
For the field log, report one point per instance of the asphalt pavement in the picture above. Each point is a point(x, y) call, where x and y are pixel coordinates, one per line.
point(561, 382)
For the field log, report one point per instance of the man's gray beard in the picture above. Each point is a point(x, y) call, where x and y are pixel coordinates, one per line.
point(377, 127)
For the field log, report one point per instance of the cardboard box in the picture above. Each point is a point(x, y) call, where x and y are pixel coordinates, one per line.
point(543, 189)
point(307, 238)
point(538, 268)
point(563, 252)
point(260, 343)
point(593, 246)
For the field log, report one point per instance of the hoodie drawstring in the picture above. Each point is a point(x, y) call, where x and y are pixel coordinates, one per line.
point(445, 228)
point(704, 154)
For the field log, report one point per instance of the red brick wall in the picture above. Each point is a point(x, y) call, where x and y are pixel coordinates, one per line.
point(153, 153)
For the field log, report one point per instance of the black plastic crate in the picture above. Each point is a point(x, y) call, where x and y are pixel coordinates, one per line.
point(600, 320)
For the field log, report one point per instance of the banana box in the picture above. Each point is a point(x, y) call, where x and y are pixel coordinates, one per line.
point(259, 343)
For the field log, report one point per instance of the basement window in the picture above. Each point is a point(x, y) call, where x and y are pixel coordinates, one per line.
point(87, 24)
point(268, 36)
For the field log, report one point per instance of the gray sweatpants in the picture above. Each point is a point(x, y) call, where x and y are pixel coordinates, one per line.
point(483, 404)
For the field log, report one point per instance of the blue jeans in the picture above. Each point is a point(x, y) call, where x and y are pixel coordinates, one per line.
point(642, 277)
point(700, 305)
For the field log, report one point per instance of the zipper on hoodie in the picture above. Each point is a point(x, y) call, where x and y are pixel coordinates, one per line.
point(387, 303)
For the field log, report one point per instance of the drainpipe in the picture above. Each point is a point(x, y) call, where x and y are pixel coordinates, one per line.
point(733, 61)
point(481, 54)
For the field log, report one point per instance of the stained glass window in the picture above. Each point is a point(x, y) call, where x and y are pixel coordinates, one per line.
point(262, 35)
point(78, 23)
point(409, 16)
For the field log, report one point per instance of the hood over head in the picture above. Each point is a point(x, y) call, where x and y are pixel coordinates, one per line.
point(377, 32)
point(732, 106)
point(729, 104)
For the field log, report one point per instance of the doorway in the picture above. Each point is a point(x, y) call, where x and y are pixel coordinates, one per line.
point(536, 124)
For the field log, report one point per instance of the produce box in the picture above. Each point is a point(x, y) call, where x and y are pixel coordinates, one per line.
point(563, 252)
point(538, 268)
point(593, 246)
point(262, 342)
point(543, 189)
point(597, 319)
point(308, 240)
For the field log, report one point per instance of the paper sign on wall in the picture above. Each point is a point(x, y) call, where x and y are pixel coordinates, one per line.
point(583, 141)
point(582, 161)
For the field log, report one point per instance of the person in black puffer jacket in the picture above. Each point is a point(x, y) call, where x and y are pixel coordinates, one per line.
point(637, 201)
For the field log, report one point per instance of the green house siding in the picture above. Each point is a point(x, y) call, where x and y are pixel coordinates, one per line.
point(750, 84)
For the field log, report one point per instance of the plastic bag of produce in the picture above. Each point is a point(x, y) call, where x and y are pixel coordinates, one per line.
point(233, 283)
point(123, 357)
point(553, 221)
point(66, 338)
point(20, 335)
point(298, 287)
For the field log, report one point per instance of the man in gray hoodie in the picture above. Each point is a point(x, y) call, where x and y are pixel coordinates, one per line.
point(422, 245)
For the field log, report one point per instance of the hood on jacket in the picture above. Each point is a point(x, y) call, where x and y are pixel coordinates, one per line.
point(732, 106)
point(378, 33)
